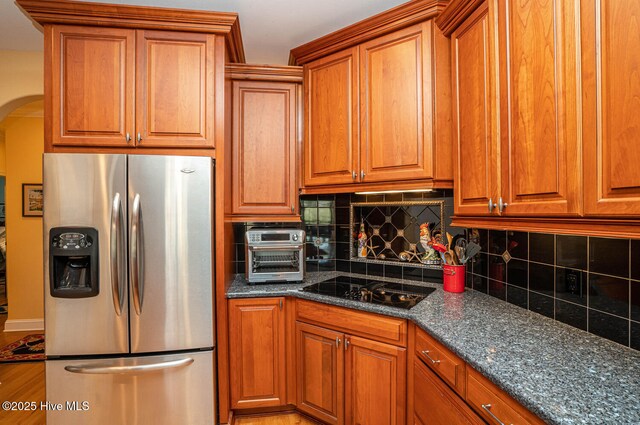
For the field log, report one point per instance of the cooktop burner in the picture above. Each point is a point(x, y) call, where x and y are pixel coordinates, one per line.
point(371, 291)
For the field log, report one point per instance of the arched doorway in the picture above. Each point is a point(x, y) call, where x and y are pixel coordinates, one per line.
point(21, 148)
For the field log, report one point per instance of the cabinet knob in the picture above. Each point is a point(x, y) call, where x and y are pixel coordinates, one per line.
point(293, 209)
point(346, 343)
point(338, 341)
point(362, 174)
point(491, 205)
point(139, 138)
point(128, 137)
point(501, 205)
point(354, 175)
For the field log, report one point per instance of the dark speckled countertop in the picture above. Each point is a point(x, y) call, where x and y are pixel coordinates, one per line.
point(562, 374)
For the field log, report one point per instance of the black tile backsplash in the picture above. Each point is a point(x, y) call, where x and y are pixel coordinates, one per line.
point(587, 282)
point(541, 248)
point(571, 251)
point(609, 256)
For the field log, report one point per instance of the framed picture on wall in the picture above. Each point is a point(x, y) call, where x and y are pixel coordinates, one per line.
point(32, 200)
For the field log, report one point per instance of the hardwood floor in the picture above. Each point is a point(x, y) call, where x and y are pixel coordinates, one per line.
point(20, 382)
point(275, 419)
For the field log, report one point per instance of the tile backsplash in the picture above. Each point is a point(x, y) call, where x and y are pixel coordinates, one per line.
point(587, 282)
point(590, 283)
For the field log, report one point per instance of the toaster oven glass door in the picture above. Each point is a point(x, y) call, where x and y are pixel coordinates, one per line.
point(275, 263)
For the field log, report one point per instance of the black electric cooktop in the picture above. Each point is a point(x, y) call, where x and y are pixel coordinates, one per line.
point(371, 291)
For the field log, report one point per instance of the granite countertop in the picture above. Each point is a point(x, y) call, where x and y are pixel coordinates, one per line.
point(560, 373)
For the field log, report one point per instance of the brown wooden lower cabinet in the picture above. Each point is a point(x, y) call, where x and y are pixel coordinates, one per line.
point(493, 404)
point(320, 380)
point(345, 379)
point(257, 352)
point(435, 403)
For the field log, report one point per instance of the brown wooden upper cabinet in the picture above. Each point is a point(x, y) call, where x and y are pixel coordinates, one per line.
point(379, 112)
point(265, 127)
point(516, 147)
point(118, 87)
point(610, 107)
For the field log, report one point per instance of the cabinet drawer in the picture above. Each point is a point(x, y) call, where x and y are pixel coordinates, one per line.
point(494, 404)
point(436, 403)
point(369, 325)
point(446, 364)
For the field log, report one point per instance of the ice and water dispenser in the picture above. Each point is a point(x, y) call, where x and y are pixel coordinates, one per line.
point(73, 262)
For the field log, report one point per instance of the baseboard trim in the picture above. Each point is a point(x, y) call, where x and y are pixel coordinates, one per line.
point(21, 325)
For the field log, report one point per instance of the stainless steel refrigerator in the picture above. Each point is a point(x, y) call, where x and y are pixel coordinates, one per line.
point(129, 289)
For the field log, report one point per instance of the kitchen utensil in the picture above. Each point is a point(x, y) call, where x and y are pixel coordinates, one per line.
point(450, 240)
point(460, 252)
point(472, 249)
point(448, 259)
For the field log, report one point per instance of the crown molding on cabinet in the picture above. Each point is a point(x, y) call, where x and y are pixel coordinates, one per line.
point(455, 14)
point(240, 71)
point(383, 23)
point(139, 17)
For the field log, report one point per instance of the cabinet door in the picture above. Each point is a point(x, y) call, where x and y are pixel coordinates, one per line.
point(257, 352)
point(175, 89)
point(611, 111)
point(395, 99)
point(539, 141)
point(435, 403)
point(475, 149)
point(331, 139)
point(92, 85)
point(320, 362)
point(375, 383)
point(264, 148)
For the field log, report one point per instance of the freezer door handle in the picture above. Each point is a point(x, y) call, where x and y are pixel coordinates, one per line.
point(116, 255)
point(111, 370)
point(137, 259)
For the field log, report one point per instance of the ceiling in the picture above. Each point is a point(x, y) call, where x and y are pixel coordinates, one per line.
point(270, 28)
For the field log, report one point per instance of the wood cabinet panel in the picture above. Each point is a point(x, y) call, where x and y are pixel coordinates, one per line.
point(320, 374)
point(494, 404)
point(264, 148)
point(381, 328)
point(395, 82)
point(474, 149)
point(435, 403)
point(175, 89)
point(375, 383)
point(611, 110)
point(257, 352)
point(450, 367)
point(539, 145)
point(92, 85)
point(331, 119)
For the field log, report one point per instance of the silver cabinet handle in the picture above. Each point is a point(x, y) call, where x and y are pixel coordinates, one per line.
point(338, 340)
point(426, 353)
point(501, 205)
point(346, 343)
point(491, 205)
point(293, 209)
point(110, 370)
point(362, 174)
point(280, 304)
point(115, 252)
point(354, 175)
point(137, 259)
point(486, 407)
point(139, 137)
point(128, 137)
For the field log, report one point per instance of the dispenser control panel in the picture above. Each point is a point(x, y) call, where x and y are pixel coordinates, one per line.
point(71, 241)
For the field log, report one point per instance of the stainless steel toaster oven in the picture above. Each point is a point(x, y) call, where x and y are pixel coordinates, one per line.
point(275, 255)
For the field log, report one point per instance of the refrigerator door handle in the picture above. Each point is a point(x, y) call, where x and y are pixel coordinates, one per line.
point(136, 253)
point(116, 255)
point(111, 370)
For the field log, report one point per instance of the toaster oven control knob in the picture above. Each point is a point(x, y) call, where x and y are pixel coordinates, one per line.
point(295, 238)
